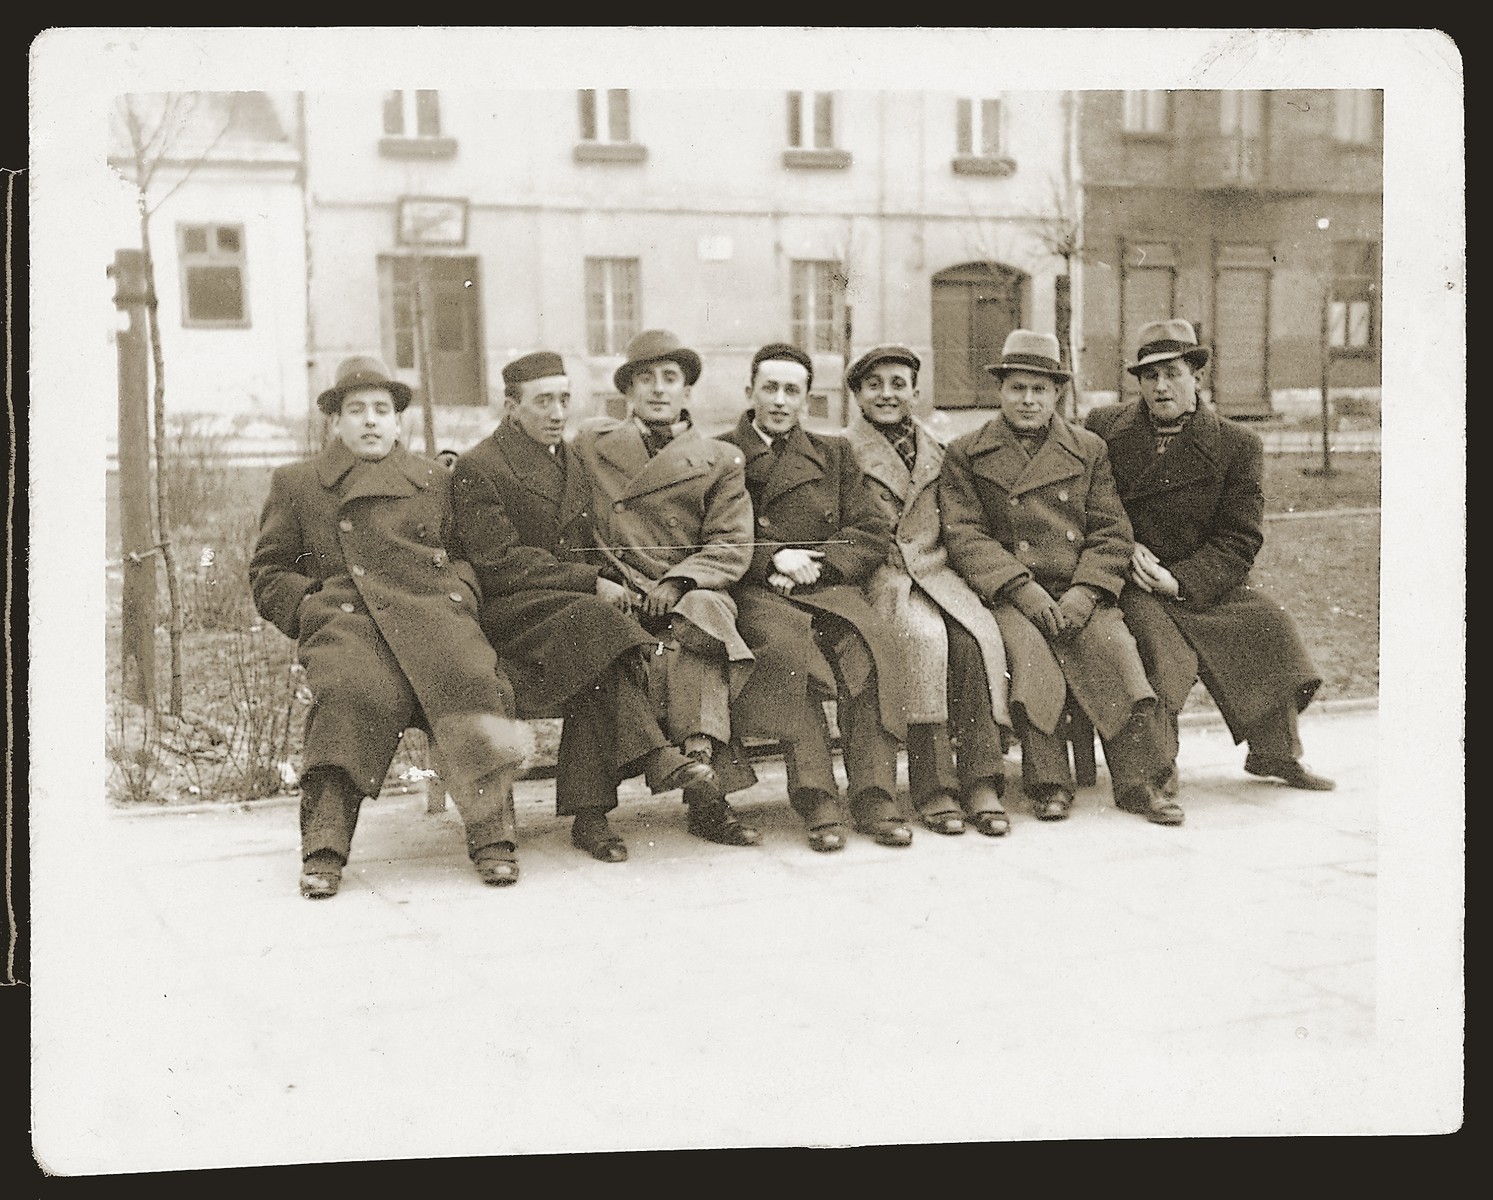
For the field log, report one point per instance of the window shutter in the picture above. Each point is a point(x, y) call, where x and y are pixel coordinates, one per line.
point(618, 122)
point(795, 118)
point(587, 99)
point(964, 134)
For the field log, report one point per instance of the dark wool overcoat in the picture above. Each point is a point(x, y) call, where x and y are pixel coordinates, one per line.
point(1199, 507)
point(812, 495)
point(523, 520)
point(1053, 517)
point(353, 562)
point(915, 589)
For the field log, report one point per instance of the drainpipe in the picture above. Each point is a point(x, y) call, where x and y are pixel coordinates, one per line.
point(311, 429)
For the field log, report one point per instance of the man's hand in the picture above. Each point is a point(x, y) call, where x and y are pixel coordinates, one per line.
point(1077, 606)
point(801, 566)
point(663, 597)
point(1038, 607)
point(780, 584)
point(1149, 575)
point(616, 594)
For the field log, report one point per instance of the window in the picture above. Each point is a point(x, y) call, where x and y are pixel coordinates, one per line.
point(1356, 118)
point(1147, 112)
point(818, 305)
point(811, 120)
point(612, 304)
point(979, 127)
point(412, 114)
point(1350, 312)
point(212, 276)
point(1241, 113)
point(605, 116)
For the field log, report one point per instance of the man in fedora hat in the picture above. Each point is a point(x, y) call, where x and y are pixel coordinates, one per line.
point(1190, 481)
point(955, 685)
point(563, 630)
point(353, 561)
point(820, 535)
point(673, 523)
point(1034, 525)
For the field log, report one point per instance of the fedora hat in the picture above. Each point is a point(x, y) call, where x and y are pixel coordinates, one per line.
point(1028, 350)
point(655, 345)
point(362, 372)
point(861, 367)
point(1161, 341)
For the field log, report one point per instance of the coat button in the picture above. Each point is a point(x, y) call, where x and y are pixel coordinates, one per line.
point(1015, 500)
point(457, 596)
point(345, 525)
point(420, 530)
point(348, 608)
point(1023, 546)
point(1071, 535)
point(765, 522)
point(619, 507)
point(673, 521)
point(1063, 496)
point(359, 571)
point(438, 559)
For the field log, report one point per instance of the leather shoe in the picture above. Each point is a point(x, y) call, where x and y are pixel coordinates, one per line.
point(1290, 770)
point(1052, 805)
point(321, 876)
point(944, 817)
point(691, 774)
point(596, 837)
point(1147, 801)
point(1169, 784)
point(827, 838)
point(716, 821)
point(497, 865)
point(876, 816)
point(982, 804)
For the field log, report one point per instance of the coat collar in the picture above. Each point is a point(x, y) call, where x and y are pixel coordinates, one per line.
point(531, 464)
point(1139, 471)
point(880, 460)
point(996, 454)
point(800, 462)
point(620, 447)
point(399, 473)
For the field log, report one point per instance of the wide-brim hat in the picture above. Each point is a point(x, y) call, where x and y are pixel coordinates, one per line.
point(655, 345)
point(1028, 350)
point(362, 372)
point(861, 367)
point(1161, 341)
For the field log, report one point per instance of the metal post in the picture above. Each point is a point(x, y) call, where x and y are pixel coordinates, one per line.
point(1326, 366)
point(137, 544)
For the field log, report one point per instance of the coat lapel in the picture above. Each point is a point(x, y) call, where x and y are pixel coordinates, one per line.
point(797, 465)
point(880, 461)
point(682, 459)
point(929, 463)
point(1192, 455)
point(398, 474)
point(531, 464)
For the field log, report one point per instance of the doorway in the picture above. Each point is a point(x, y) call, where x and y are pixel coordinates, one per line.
point(444, 292)
point(974, 307)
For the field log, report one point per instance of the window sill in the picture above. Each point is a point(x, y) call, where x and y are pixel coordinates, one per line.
point(417, 147)
point(1147, 135)
point(616, 152)
point(816, 160)
point(982, 164)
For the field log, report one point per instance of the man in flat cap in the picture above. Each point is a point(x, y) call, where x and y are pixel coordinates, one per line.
point(673, 521)
point(354, 562)
point(820, 535)
point(1190, 481)
point(955, 686)
point(562, 629)
point(1034, 525)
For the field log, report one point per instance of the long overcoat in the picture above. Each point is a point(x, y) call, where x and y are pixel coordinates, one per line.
point(1200, 508)
point(682, 514)
point(523, 520)
point(353, 562)
point(915, 589)
point(1053, 517)
point(812, 495)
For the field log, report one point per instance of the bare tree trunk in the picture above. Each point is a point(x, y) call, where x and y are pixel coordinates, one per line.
point(163, 498)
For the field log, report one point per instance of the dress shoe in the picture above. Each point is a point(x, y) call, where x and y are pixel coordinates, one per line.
point(821, 816)
point(321, 876)
point(877, 817)
point(1146, 800)
point(1054, 804)
point(595, 836)
point(982, 804)
point(497, 865)
point(942, 814)
point(1169, 784)
point(716, 821)
point(691, 774)
point(828, 838)
point(1290, 770)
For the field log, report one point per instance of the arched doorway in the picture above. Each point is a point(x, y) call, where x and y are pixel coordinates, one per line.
point(974, 307)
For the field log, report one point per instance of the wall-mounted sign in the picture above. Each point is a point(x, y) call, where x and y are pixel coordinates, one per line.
point(432, 221)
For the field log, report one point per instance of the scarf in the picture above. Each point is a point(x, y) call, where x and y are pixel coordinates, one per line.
point(903, 436)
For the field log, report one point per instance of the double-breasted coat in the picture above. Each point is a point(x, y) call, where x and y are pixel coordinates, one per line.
point(1053, 517)
point(812, 495)
point(523, 520)
point(1199, 507)
point(682, 514)
point(353, 562)
point(915, 589)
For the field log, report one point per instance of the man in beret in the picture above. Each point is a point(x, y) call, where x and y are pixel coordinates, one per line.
point(562, 629)
point(673, 521)
point(1190, 481)
point(820, 535)
point(955, 685)
point(353, 561)
point(1034, 525)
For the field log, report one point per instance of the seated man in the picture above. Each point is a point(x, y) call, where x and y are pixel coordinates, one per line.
point(352, 562)
point(562, 630)
point(673, 523)
point(956, 663)
point(821, 533)
point(1034, 526)
point(1190, 483)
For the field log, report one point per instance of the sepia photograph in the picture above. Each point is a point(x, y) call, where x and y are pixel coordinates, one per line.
point(870, 587)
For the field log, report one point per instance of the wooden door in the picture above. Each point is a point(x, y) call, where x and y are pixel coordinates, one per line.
point(974, 307)
point(1241, 304)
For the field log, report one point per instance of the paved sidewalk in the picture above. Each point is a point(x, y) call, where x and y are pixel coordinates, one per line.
point(1101, 977)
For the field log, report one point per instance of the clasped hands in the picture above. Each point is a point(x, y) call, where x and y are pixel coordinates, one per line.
point(1147, 573)
point(659, 600)
point(1057, 619)
point(792, 567)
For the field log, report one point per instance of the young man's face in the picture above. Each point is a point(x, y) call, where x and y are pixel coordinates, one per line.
point(1027, 400)
point(367, 423)
point(779, 391)
point(886, 393)
point(658, 392)
point(1170, 389)
point(542, 408)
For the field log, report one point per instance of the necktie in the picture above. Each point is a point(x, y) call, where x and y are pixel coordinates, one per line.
point(779, 442)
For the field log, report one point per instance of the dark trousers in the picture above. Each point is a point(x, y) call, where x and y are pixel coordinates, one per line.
point(948, 757)
point(1277, 736)
point(608, 732)
point(1142, 752)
